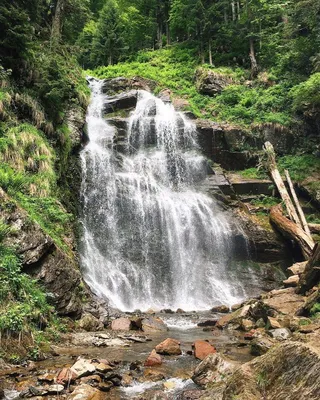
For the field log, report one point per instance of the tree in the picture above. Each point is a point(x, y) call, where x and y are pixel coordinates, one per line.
point(108, 39)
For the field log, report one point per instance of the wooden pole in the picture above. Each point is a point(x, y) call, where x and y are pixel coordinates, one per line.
point(297, 204)
point(277, 179)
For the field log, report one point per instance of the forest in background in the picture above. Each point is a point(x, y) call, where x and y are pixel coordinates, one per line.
point(269, 49)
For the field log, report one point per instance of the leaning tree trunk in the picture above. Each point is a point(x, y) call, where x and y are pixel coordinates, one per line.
point(210, 53)
point(277, 179)
point(297, 204)
point(253, 60)
point(291, 230)
point(311, 275)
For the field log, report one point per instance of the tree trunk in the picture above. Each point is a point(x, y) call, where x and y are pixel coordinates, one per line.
point(168, 33)
point(314, 228)
point(225, 15)
point(238, 10)
point(159, 36)
point(233, 11)
point(253, 60)
point(210, 53)
point(311, 275)
point(290, 230)
point(297, 204)
point(276, 177)
point(57, 22)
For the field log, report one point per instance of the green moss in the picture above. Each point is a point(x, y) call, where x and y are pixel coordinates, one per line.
point(50, 215)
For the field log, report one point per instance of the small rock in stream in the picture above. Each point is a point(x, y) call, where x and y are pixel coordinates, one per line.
point(55, 389)
point(153, 359)
point(169, 347)
point(220, 309)
point(83, 368)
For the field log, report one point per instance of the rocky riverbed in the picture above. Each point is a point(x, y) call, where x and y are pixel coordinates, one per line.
point(262, 349)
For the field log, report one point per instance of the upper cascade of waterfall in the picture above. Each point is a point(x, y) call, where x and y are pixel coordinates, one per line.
point(153, 238)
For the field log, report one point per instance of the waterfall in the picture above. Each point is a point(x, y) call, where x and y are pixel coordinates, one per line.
point(152, 236)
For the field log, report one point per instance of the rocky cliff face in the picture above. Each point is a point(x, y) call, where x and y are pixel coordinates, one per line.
point(56, 270)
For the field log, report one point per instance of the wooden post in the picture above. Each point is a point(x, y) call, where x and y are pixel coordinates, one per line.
point(297, 204)
point(277, 179)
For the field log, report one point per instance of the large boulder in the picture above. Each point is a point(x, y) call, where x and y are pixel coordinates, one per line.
point(122, 101)
point(211, 83)
point(90, 323)
point(265, 244)
point(152, 324)
point(117, 85)
point(169, 347)
point(214, 368)
point(122, 324)
point(289, 371)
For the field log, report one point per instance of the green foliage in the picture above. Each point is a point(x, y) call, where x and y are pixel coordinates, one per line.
point(24, 310)
point(23, 303)
point(306, 95)
point(107, 40)
point(244, 105)
point(50, 215)
point(300, 167)
point(253, 173)
point(265, 201)
point(315, 310)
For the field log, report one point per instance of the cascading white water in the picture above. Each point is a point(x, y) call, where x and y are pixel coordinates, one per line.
point(152, 237)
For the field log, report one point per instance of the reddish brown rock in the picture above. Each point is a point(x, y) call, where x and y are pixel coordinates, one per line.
point(169, 347)
point(153, 359)
point(202, 349)
point(66, 376)
point(121, 324)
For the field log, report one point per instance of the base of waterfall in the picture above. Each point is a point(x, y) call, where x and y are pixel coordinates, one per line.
point(260, 349)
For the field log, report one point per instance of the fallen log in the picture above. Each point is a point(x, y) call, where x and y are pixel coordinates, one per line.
point(277, 179)
point(311, 275)
point(291, 230)
point(314, 228)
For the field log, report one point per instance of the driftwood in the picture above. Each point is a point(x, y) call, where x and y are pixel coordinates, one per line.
point(314, 228)
point(311, 275)
point(277, 179)
point(298, 207)
point(291, 230)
